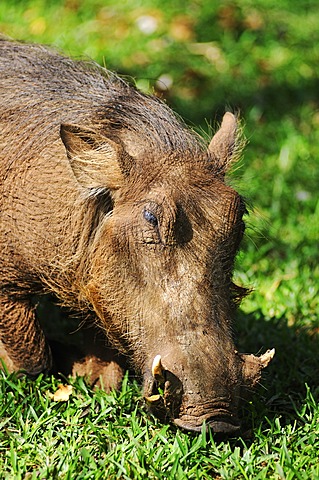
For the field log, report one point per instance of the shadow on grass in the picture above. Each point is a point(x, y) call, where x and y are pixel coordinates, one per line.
point(212, 99)
point(296, 365)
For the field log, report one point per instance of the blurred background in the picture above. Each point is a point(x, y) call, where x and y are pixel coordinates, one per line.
point(258, 57)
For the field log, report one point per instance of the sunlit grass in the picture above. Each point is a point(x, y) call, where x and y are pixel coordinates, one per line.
point(98, 435)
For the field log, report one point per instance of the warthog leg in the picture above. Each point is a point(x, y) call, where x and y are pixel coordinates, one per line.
point(22, 339)
point(92, 358)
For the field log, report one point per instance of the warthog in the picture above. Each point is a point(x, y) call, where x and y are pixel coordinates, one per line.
point(109, 202)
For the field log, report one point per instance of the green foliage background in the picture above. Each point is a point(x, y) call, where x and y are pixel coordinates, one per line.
point(260, 58)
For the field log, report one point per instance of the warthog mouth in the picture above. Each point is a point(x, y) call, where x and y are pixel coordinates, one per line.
point(221, 425)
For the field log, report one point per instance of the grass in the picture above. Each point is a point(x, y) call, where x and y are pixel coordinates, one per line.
point(98, 435)
point(259, 57)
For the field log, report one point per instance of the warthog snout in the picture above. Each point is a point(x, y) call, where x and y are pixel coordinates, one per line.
point(189, 410)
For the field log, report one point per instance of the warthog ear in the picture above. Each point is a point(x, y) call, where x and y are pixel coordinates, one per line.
point(223, 146)
point(95, 160)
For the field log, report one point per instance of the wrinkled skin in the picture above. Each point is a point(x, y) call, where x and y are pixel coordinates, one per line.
point(110, 203)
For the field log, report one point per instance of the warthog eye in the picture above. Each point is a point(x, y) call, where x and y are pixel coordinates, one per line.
point(150, 218)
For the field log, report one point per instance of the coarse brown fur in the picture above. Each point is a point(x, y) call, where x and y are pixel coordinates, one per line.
point(112, 204)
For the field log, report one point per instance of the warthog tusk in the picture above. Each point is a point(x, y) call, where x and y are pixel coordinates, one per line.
point(266, 357)
point(153, 399)
point(253, 366)
point(157, 368)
